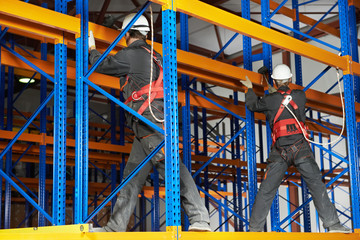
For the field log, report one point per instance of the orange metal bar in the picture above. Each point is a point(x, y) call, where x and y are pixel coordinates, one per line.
point(303, 18)
point(235, 23)
point(69, 142)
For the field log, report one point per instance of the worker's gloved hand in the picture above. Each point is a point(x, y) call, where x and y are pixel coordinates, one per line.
point(247, 83)
point(271, 89)
point(91, 41)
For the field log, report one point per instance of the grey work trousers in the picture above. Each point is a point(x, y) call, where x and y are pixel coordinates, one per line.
point(301, 156)
point(142, 146)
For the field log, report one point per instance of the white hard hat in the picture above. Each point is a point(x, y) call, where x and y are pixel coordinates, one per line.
point(141, 24)
point(281, 72)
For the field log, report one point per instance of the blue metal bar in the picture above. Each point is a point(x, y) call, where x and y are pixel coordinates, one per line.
point(3, 32)
point(23, 89)
point(351, 125)
point(21, 114)
point(278, 8)
point(218, 152)
point(99, 194)
point(320, 20)
point(317, 78)
point(26, 218)
point(100, 170)
point(334, 85)
point(250, 128)
point(124, 182)
point(21, 156)
point(26, 125)
point(118, 38)
point(306, 208)
point(28, 62)
point(308, 200)
point(225, 46)
point(106, 94)
point(354, 48)
point(25, 195)
point(224, 206)
point(217, 104)
point(300, 4)
point(113, 184)
point(24, 185)
point(25, 50)
point(306, 35)
point(92, 110)
point(9, 127)
point(172, 173)
point(59, 146)
point(156, 197)
point(186, 118)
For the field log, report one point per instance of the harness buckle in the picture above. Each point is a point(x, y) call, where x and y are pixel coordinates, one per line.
point(286, 101)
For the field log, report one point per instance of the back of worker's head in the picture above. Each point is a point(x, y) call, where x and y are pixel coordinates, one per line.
point(139, 29)
point(281, 74)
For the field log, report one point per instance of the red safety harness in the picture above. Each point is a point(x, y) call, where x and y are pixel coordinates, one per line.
point(288, 126)
point(157, 89)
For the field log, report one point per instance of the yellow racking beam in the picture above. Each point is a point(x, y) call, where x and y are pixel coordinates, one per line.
point(256, 31)
point(169, 235)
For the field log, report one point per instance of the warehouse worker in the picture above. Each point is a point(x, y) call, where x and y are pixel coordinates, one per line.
point(132, 65)
point(289, 148)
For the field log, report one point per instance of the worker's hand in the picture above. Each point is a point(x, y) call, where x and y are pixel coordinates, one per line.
point(91, 41)
point(271, 89)
point(247, 83)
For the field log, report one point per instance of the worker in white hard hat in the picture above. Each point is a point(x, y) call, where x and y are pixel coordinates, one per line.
point(289, 148)
point(133, 66)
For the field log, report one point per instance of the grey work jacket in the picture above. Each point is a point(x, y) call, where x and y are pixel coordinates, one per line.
point(270, 104)
point(133, 61)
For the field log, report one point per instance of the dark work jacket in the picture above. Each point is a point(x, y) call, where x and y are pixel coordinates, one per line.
point(132, 61)
point(270, 104)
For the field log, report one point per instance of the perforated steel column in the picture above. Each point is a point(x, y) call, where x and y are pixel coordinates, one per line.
point(172, 183)
point(59, 164)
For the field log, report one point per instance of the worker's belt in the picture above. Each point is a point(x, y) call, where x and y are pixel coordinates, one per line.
point(157, 89)
point(286, 127)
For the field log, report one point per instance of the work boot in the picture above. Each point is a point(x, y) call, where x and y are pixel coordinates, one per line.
point(96, 229)
point(338, 228)
point(199, 227)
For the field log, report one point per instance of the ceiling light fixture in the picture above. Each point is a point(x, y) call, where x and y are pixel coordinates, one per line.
point(26, 80)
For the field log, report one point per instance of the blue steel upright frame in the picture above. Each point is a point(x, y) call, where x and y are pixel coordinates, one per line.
point(351, 127)
point(172, 173)
point(60, 87)
point(250, 126)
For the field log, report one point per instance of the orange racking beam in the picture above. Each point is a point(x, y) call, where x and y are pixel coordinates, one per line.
point(316, 100)
point(69, 142)
point(256, 31)
point(304, 19)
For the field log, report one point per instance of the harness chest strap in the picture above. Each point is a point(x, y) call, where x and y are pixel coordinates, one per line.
point(157, 89)
point(286, 127)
